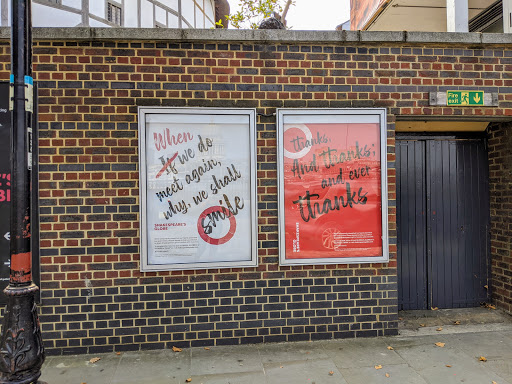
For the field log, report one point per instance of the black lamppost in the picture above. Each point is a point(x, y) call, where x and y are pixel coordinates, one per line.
point(21, 345)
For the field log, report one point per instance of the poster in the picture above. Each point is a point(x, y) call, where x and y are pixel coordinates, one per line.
point(332, 184)
point(197, 188)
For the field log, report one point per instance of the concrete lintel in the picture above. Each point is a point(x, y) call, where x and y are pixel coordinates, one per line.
point(497, 38)
point(261, 36)
point(445, 37)
point(374, 36)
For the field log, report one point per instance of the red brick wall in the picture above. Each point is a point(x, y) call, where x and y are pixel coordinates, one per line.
point(500, 167)
point(95, 299)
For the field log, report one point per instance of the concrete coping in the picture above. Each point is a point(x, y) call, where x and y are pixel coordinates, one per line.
point(262, 36)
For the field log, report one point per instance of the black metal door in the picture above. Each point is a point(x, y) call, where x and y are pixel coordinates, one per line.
point(442, 222)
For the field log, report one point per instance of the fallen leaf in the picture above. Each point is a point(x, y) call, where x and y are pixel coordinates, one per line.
point(378, 367)
point(493, 382)
point(434, 308)
point(94, 360)
point(482, 358)
point(390, 348)
point(387, 374)
point(422, 325)
point(176, 349)
point(331, 373)
point(118, 353)
point(206, 348)
point(448, 365)
point(487, 287)
point(189, 380)
point(456, 322)
point(400, 318)
point(439, 329)
point(281, 366)
point(440, 345)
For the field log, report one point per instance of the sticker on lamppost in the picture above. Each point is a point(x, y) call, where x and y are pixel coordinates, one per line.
point(198, 188)
point(332, 184)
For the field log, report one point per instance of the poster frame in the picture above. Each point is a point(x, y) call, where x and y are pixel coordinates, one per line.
point(250, 113)
point(333, 115)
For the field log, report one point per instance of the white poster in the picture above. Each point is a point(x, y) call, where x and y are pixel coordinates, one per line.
point(197, 188)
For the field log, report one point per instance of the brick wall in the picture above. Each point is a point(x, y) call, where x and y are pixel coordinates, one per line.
point(95, 299)
point(500, 167)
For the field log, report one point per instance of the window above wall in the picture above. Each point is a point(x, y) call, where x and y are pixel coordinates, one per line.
point(115, 13)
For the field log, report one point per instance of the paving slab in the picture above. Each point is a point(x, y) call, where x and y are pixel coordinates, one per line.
point(491, 345)
point(304, 372)
point(398, 374)
point(502, 367)
point(230, 378)
point(79, 369)
point(166, 367)
point(285, 352)
point(446, 365)
point(361, 353)
point(225, 359)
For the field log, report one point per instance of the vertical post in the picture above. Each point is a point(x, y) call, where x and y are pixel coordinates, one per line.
point(457, 15)
point(507, 16)
point(21, 346)
point(85, 13)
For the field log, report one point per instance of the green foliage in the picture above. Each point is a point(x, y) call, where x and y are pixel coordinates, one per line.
point(252, 12)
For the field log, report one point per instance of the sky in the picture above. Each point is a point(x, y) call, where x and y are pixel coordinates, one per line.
point(314, 14)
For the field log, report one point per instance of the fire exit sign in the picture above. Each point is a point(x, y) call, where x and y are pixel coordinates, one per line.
point(465, 98)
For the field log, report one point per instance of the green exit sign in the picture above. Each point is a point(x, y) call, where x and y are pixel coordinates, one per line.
point(465, 98)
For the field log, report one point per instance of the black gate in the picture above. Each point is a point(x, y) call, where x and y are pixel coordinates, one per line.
point(442, 221)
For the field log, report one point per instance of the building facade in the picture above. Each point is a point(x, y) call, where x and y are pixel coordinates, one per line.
point(121, 13)
point(94, 297)
point(491, 16)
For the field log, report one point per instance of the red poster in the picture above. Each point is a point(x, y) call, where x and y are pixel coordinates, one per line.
point(332, 190)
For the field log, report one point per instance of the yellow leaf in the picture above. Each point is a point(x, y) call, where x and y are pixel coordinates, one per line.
point(390, 348)
point(331, 373)
point(387, 374)
point(482, 358)
point(439, 329)
point(378, 367)
point(493, 382)
point(456, 322)
point(94, 360)
point(176, 349)
point(448, 365)
point(206, 348)
point(487, 287)
point(440, 345)
point(118, 353)
point(422, 325)
point(189, 380)
point(434, 308)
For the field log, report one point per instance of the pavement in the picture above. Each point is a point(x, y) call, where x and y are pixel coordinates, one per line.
point(448, 346)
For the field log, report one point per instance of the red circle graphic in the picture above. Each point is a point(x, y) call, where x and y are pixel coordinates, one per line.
point(211, 240)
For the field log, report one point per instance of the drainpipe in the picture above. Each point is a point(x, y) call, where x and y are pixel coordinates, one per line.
point(21, 345)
